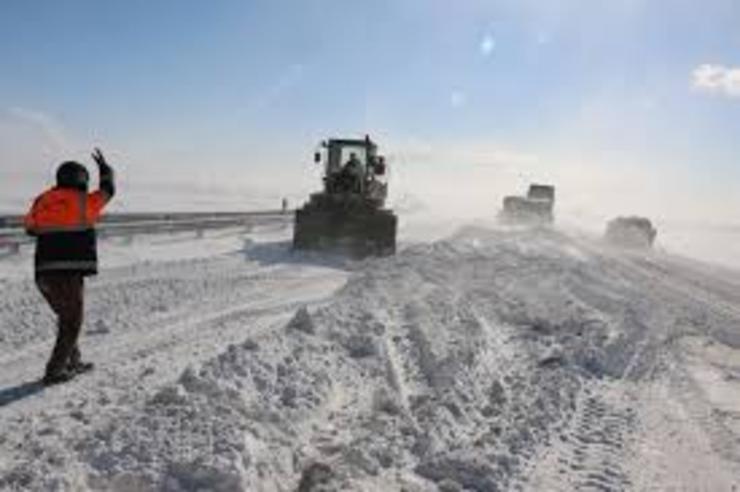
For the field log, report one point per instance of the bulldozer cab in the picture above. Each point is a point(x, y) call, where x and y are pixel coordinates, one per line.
point(340, 152)
point(541, 192)
point(365, 166)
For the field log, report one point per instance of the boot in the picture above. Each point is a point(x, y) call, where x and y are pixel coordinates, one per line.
point(75, 363)
point(79, 367)
point(57, 377)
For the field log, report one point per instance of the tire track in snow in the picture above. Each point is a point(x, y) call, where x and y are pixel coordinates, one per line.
point(608, 445)
point(589, 453)
point(676, 449)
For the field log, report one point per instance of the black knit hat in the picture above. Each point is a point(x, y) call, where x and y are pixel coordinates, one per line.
point(72, 174)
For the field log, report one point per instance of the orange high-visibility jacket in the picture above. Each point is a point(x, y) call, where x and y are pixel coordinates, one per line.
point(63, 220)
point(65, 209)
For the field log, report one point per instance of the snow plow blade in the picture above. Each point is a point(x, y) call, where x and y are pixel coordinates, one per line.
point(356, 234)
point(519, 209)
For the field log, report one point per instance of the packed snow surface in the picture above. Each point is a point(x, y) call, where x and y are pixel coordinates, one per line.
point(488, 361)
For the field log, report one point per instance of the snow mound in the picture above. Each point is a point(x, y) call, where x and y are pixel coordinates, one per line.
point(447, 364)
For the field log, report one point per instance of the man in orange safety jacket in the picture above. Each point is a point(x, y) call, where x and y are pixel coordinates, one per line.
point(63, 221)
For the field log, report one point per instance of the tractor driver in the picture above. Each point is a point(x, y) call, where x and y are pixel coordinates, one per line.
point(352, 173)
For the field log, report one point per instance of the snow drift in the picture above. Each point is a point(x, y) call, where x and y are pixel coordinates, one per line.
point(515, 360)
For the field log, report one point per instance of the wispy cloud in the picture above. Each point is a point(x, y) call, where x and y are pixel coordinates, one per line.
point(50, 129)
point(717, 79)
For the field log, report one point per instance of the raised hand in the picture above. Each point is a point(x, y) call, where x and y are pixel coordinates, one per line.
point(99, 159)
point(107, 179)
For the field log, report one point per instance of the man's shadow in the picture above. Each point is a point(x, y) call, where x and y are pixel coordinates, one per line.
point(19, 392)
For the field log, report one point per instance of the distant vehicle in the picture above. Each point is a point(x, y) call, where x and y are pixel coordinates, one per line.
point(536, 207)
point(631, 232)
point(349, 214)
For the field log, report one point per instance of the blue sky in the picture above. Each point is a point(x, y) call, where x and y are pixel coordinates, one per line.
point(574, 91)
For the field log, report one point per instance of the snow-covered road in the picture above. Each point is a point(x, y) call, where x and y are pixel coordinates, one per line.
point(147, 321)
point(493, 360)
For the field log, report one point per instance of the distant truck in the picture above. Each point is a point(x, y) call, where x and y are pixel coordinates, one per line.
point(536, 207)
point(631, 232)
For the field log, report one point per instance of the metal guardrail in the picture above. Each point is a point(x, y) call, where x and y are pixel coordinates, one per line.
point(9, 221)
point(13, 236)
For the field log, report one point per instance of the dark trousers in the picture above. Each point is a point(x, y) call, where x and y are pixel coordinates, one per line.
point(65, 294)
